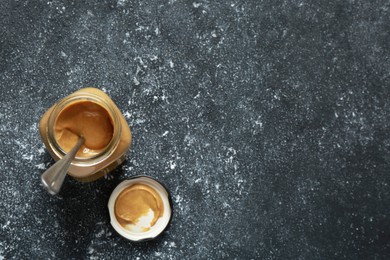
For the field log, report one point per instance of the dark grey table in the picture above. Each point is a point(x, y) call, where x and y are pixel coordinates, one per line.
point(267, 120)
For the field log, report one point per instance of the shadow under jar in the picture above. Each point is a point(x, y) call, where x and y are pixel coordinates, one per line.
point(90, 113)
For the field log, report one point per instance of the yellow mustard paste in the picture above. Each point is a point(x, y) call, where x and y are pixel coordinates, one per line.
point(87, 119)
point(136, 202)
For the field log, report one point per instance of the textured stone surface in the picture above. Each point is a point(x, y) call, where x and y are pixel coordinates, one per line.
point(269, 122)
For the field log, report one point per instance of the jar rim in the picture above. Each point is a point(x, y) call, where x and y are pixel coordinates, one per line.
point(80, 97)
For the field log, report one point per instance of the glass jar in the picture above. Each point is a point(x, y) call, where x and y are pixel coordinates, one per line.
point(92, 167)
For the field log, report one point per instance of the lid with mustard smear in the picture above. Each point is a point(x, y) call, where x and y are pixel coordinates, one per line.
point(140, 208)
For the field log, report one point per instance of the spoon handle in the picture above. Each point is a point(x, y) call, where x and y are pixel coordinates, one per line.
point(53, 177)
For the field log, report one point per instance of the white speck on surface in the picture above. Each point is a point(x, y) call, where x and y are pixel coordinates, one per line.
point(229, 160)
point(136, 82)
point(6, 224)
point(232, 150)
point(139, 121)
point(41, 150)
point(141, 28)
point(226, 205)
point(63, 54)
point(164, 97)
point(172, 165)
point(189, 139)
point(196, 5)
point(165, 133)
point(41, 166)
point(100, 233)
point(127, 115)
point(171, 64)
point(27, 157)
point(178, 199)
point(121, 2)
point(258, 122)
point(90, 250)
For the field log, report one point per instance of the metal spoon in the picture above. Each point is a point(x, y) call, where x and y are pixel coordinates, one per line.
point(53, 177)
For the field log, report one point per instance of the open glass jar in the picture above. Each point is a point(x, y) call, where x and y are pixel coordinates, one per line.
point(86, 112)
